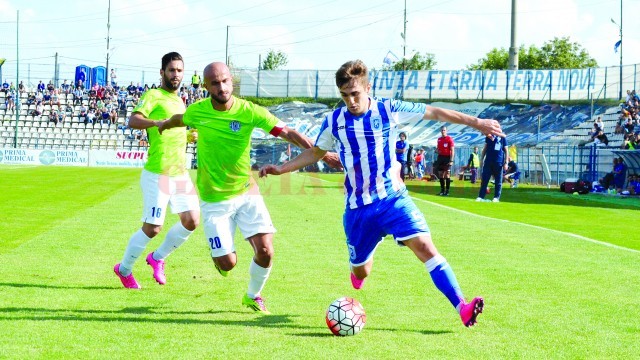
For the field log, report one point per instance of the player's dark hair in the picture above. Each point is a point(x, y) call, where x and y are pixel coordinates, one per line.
point(350, 70)
point(169, 57)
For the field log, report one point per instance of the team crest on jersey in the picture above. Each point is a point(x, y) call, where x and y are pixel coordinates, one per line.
point(376, 122)
point(234, 126)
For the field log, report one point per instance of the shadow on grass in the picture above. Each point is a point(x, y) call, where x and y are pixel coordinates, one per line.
point(150, 315)
point(161, 317)
point(47, 286)
point(527, 195)
point(373, 329)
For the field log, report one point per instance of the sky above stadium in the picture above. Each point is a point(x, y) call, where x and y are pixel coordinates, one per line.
point(313, 34)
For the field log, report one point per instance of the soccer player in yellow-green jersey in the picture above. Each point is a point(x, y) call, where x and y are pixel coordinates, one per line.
point(230, 197)
point(164, 179)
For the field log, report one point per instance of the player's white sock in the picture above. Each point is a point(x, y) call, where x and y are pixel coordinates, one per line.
point(137, 243)
point(176, 236)
point(257, 278)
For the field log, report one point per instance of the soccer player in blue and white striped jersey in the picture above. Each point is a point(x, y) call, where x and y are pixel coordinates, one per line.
point(377, 203)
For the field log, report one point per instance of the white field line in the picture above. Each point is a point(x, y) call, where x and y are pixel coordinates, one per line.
point(575, 236)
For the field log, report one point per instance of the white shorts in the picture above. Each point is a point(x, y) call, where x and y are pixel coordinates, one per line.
point(160, 190)
point(246, 211)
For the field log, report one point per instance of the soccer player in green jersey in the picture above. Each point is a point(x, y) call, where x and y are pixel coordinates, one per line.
point(164, 179)
point(230, 196)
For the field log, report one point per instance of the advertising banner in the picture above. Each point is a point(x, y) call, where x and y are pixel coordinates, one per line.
point(43, 157)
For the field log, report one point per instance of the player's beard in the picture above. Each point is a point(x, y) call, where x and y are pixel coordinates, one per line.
point(221, 98)
point(168, 83)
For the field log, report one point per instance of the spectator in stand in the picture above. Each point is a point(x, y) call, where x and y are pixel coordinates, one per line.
point(131, 89)
point(126, 130)
point(68, 110)
point(5, 87)
point(141, 136)
point(65, 88)
point(92, 96)
point(629, 142)
point(601, 138)
point(629, 126)
point(21, 88)
point(114, 77)
point(40, 87)
point(91, 116)
point(31, 100)
point(619, 175)
point(598, 126)
point(82, 113)
point(472, 164)
point(50, 86)
point(78, 95)
point(113, 116)
point(9, 101)
point(122, 99)
point(101, 119)
point(100, 92)
point(55, 98)
point(46, 98)
point(53, 116)
point(39, 109)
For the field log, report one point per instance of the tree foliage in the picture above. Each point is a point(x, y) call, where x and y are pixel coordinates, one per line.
point(417, 62)
point(275, 60)
point(559, 53)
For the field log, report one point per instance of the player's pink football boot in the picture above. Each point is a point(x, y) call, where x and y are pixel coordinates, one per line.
point(128, 281)
point(470, 311)
point(357, 283)
point(158, 269)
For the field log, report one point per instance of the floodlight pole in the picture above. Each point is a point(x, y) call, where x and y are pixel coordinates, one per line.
point(108, 28)
point(17, 100)
point(620, 49)
point(226, 48)
point(513, 50)
point(404, 50)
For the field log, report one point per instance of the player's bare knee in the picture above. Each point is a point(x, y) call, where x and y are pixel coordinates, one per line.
point(264, 253)
point(190, 224)
point(151, 230)
point(225, 263)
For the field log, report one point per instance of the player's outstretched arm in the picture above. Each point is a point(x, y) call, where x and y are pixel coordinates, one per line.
point(306, 158)
point(174, 121)
point(486, 126)
point(139, 121)
point(303, 142)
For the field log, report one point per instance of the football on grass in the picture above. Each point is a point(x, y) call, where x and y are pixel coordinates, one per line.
point(346, 317)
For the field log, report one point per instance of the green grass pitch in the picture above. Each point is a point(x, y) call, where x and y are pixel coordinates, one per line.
point(560, 275)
